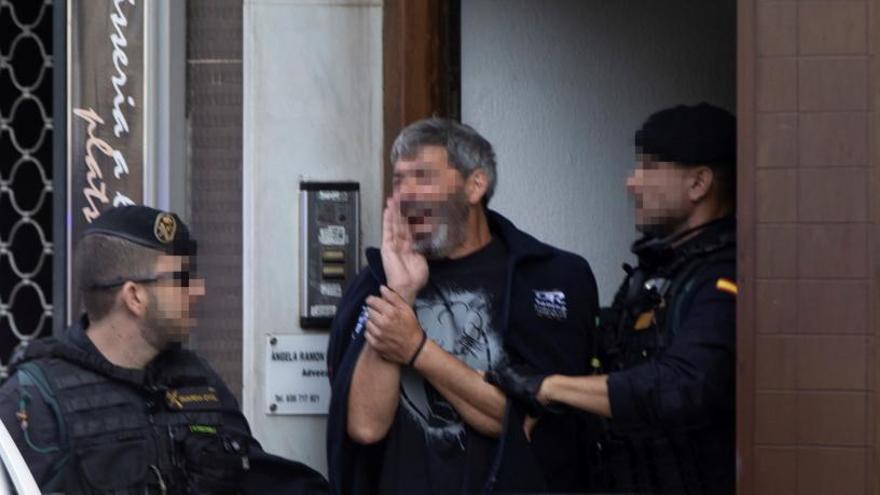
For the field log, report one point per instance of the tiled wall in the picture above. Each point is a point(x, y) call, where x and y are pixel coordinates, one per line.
point(813, 268)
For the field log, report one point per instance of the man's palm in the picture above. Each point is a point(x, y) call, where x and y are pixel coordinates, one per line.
point(406, 270)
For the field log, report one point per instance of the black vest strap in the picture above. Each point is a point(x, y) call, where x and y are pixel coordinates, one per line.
point(96, 401)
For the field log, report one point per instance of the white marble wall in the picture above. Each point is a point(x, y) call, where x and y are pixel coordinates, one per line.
point(312, 110)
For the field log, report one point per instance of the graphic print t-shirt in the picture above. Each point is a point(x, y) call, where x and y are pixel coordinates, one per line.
point(430, 450)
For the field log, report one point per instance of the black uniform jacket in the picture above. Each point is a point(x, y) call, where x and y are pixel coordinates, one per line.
point(688, 389)
point(554, 460)
point(267, 473)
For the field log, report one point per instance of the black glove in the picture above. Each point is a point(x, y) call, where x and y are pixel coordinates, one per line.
point(522, 383)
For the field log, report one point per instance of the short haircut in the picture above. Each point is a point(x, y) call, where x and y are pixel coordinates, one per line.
point(466, 149)
point(102, 259)
point(696, 135)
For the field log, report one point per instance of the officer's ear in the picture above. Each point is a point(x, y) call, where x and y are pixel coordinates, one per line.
point(700, 183)
point(134, 299)
point(476, 186)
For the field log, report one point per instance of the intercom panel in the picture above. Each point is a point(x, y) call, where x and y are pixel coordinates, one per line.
point(329, 248)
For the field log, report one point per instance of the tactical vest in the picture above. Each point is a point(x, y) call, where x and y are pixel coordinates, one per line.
point(641, 323)
point(127, 431)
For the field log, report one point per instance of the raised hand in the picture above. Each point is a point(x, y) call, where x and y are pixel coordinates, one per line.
point(406, 270)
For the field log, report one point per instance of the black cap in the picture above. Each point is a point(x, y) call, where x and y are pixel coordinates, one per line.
point(148, 227)
point(702, 134)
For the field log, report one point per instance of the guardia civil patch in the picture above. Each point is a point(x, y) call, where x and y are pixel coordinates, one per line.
point(192, 399)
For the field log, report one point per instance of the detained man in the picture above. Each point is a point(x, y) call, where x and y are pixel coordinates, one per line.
point(455, 289)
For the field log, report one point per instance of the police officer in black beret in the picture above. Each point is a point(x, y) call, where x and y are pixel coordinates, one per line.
point(663, 385)
point(115, 405)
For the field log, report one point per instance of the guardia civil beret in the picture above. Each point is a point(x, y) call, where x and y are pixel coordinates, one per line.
point(148, 227)
point(702, 134)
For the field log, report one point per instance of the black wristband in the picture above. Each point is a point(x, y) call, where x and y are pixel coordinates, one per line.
point(421, 346)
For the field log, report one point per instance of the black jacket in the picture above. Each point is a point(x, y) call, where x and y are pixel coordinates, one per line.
point(84, 425)
point(678, 401)
point(555, 458)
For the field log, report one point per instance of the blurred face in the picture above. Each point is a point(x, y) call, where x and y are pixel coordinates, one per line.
point(170, 314)
point(660, 192)
point(432, 201)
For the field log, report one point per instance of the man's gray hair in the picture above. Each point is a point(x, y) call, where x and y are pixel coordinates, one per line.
point(466, 149)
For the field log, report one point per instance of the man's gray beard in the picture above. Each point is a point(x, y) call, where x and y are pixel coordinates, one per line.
point(438, 245)
point(448, 235)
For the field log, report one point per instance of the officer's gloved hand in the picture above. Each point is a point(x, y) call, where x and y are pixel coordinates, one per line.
point(215, 463)
point(522, 383)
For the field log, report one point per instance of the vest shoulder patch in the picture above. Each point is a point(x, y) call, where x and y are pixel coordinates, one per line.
point(192, 398)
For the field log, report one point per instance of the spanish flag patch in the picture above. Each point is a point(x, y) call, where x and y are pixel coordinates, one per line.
point(726, 285)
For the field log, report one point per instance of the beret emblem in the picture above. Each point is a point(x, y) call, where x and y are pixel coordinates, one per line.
point(165, 228)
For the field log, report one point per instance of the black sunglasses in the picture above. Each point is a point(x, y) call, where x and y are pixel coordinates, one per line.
point(182, 277)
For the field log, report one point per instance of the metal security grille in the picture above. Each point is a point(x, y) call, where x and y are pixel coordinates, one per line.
point(25, 172)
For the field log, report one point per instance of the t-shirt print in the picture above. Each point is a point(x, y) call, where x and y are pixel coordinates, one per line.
point(459, 321)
